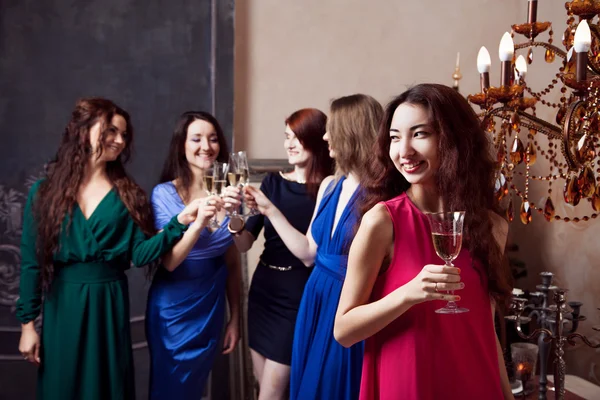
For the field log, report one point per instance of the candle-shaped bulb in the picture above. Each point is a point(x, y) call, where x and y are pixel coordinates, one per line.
point(507, 48)
point(521, 67)
point(483, 60)
point(583, 37)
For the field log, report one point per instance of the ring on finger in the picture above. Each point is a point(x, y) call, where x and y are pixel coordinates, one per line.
point(436, 289)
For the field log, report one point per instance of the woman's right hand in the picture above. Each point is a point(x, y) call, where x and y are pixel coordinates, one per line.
point(432, 283)
point(255, 198)
point(29, 345)
point(232, 198)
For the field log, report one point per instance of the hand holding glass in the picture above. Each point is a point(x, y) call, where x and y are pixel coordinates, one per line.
point(447, 233)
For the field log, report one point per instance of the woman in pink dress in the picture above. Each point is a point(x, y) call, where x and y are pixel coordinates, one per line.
point(433, 156)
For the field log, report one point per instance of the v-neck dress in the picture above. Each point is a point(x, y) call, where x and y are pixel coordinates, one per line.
point(321, 367)
point(86, 340)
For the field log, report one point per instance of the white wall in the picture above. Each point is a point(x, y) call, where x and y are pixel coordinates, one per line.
point(303, 53)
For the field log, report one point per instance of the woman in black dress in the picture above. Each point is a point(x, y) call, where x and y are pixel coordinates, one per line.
point(279, 280)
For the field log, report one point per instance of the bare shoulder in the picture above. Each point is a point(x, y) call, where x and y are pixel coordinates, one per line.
point(325, 183)
point(377, 223)
point(499, 228)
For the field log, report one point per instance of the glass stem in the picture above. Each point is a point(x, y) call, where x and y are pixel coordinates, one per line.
point(451, 304)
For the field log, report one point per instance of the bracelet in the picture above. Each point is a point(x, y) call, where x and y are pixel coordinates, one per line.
point(236, 225)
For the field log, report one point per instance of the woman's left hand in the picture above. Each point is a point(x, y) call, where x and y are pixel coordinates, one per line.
point(232, 336)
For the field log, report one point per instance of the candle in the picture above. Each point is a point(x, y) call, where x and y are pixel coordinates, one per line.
point(532, 11)
point(583, 42)
point(484, 63)
point(506, 52)
point(521, 67)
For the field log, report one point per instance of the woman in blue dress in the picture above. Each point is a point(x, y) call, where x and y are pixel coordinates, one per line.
point(321, 368)
point(186, 302)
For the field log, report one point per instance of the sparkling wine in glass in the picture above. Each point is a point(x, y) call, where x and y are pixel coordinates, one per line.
point(245, 174)
point(447, 233)
point(219, 182)
point(234, 176)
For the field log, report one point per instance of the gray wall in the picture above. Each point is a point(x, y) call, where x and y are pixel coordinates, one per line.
point(155, 58)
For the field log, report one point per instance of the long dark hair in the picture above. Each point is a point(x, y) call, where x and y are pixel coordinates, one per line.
point(309, 126)
point(58, 192)
point(176, 165)
point(465, 177)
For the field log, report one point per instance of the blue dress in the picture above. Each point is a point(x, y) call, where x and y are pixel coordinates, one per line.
point(321, 367)
point(186, 308)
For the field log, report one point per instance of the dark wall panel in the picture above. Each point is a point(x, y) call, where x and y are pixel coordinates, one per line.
point(155, 58)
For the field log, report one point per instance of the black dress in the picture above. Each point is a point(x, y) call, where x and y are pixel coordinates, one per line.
point(279, 279)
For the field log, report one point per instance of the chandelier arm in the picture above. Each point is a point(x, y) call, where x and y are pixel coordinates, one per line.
point(552, 131)
point(559, 52)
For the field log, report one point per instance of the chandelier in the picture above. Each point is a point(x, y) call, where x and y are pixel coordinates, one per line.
point(567, 150)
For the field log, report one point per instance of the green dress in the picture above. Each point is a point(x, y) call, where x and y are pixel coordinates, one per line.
point(86, 341)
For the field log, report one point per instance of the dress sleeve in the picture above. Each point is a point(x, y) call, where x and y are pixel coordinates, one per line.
point(255, 224)
point(145, 250)
point(30, 293)
point(160, 209)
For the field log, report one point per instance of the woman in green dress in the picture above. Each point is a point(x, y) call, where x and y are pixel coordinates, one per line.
point(84, 225)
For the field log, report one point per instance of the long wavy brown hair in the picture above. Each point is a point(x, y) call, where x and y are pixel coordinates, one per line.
point(309, 126)
point(176, 165)
point(58, 192)
point(465, 178)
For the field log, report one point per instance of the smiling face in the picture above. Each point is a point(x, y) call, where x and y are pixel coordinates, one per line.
point(297, 154)
point(201, 145)
point(114, 141)
point(414, 144)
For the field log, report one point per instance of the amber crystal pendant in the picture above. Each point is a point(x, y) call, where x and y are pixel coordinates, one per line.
point(501, 155)
point(587, 182)
point(596, 199)
point(501, 187)
point(585, 149)
point(550, 56)
point(571, 191)
point(549, 209)
point(510, 212)
point(531, 153)
point(517, 152)
point(515, 121)
point(529, 56)
point(525, 213)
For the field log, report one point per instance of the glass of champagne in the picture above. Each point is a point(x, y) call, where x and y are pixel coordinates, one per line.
point(234, 175)
point(219, 183)
point(242, 160)
point(209, 186)
point(447, 234)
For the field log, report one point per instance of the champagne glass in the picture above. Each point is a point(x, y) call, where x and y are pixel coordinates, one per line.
point(242, 160)
point(219, 182)
point(447, 234)
point(234, 175)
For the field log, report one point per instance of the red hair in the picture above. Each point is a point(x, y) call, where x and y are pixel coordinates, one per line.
point(309, 126)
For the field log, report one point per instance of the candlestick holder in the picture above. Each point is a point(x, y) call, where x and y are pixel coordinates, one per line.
point(552, 320)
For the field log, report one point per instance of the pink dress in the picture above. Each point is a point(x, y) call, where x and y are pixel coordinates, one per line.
point(424, 355)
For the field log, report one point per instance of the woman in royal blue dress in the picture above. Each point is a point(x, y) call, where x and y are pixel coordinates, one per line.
point(186, 302)
point(321, 368)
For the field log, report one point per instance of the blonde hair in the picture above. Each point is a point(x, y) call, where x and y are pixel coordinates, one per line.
point(353, 124)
